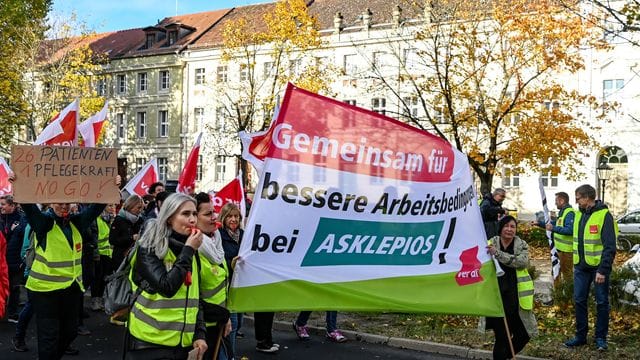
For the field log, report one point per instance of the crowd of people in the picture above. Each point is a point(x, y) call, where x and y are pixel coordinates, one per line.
point(585, 239)
point(183, 256)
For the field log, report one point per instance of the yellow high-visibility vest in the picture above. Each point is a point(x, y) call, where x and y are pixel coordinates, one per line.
point(59, 265)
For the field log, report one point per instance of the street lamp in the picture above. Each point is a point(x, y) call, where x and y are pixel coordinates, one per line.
point(604, 173)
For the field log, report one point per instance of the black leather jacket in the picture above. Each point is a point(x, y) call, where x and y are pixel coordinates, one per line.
point(151, 274)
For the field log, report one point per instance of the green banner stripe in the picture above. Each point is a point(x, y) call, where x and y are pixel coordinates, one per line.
point(417, 294)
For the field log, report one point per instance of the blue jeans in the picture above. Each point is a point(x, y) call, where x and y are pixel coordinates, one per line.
point(23, 320)
point(582, 280)
point(331, 318)
point(236, 323)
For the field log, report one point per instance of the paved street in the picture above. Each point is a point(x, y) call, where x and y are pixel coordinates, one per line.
point(105, 342)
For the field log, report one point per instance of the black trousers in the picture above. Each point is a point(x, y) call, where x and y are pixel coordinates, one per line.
point(164, 353)
point(519, 337)
point(16, 277)
point(212, 337)
point(263, 321)
point(102, 268)
point(57, 319)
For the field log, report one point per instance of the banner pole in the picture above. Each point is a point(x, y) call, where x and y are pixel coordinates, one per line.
point(506, 327)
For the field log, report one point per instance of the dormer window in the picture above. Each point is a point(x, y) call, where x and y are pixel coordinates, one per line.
point(173, 37)
point(150, 40)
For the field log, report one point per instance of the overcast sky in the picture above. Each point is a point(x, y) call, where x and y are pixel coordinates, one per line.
point(109, 15)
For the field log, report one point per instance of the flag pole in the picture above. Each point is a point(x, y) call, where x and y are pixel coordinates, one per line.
point(506, 327)
point(555, 260)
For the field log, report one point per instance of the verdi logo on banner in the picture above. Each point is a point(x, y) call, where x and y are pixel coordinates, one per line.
point(347, 242)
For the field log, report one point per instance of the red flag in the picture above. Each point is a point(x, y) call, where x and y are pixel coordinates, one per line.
point(187, 179)
point(5, 185)
point(63, 128)
point(230, 193)
point(91, 128)
point(145, 177)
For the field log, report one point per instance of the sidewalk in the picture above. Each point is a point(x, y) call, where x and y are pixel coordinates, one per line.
point(462, 352)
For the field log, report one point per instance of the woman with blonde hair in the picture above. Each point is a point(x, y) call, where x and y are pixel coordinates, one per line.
point(165, 321)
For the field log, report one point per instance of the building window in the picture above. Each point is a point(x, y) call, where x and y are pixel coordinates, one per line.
point(319, 174)
point(31, 135)
point(162, 169)
point(163, 78)
point(510, 178)
point(612, 89)
point(142, 82)
point(150, 39)
point(551, 105)
point(199, 169)
point(267, 70)
point(410, 107)
point(377, 174)
point(220, 118)
point(121, 83)
point(295, 67)
point(350, 102)
point(350, 65)
point(141, 124)
point(221, 168)
point(163, 123)
point(200, 76)
point(244, 72)
point(198, 114)
point(173, 37)
point(121, 126)
point(101, 87)
point(140, 163)
point(549, 179)
point(410, 59)
point(221, 74)
point(379, 105)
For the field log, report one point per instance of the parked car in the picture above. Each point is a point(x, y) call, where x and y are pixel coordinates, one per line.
point(629, 226)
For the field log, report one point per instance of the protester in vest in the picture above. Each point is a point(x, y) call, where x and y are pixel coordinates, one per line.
point(165, 321)
point(562, 230)
point(491, 210)
point(55, 279)
point(594, 248)
point(213, 281)
point(102, 259)
point(125, 228)
point(516, 290)
point(12, 225)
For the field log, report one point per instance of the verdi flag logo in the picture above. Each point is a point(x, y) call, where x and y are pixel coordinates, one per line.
point(357, 211)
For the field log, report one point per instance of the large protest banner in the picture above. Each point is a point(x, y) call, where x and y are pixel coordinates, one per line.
point(357, 211)
point(64, 174)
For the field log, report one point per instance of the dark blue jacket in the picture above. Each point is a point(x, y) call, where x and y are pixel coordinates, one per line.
point(14, 237)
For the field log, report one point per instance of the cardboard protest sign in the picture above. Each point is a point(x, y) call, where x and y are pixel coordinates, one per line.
point(64, 174)
point(357, 211)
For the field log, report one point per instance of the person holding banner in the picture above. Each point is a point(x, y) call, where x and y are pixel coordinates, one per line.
point(594, 249)
point(55, 279)
point(516, 290)
point(214, 281)
point(165, 321)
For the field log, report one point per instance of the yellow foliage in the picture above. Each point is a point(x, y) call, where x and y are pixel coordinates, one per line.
point(499, 63)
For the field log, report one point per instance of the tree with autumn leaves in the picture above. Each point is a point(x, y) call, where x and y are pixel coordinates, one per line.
point(59, 70)
point(493, 79)
point(285, 38)
point(22, 26)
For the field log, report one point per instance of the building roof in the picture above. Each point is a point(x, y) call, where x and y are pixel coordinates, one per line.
point(254, 14)
point(191, 27)
point(352, 10)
